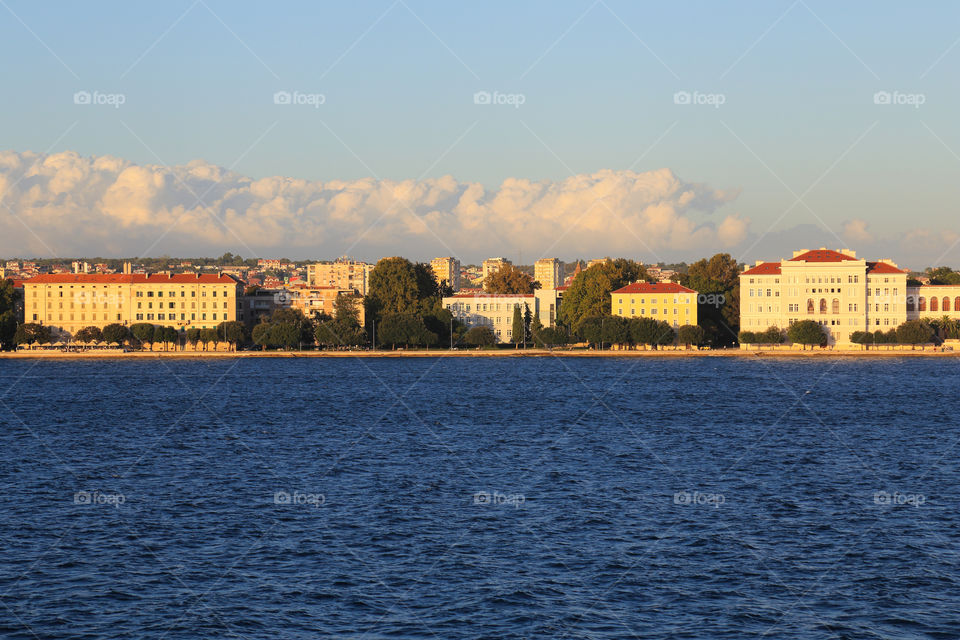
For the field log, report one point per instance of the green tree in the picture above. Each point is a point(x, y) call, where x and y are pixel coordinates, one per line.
point(589, 293)
point(232, 332)
point(32, 333)
point(517, 330)
point(88, 335)
point(260, 335)
point(480, 337)
point(914, 332)
point(535, 328)
point(650, 332)
point(807, 332)
point(405, 329)
point(690, 335)
point(772, 335)
point(115, 334)
point(169, 336)
point(208, 337)
point(615, 330)
point(8, 313)
point(399, 286)
point(302, 326)
point(748, 337)
point(509, 280)
point(943, 275)
point(716, 280)
point(143, 332)
point(192, 336)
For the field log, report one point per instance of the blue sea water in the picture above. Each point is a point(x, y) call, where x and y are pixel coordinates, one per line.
point(480, 498)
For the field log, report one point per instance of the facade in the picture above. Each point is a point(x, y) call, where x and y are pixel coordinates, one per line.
point(446, 270)
point(341, 274)
point(492, 265)
point(316, 300)
point(933, 301)
point(71, 301)
point(548, 272)
point(840, 291)
point(666, 301)
point(496, 311)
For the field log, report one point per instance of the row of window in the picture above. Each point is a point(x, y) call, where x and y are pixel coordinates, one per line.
point(936, 304)
point(172, 316)
point(653, 312)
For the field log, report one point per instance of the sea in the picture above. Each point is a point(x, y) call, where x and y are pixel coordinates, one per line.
point(387, 498)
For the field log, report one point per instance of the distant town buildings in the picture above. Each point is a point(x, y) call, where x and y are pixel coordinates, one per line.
point(447, 272)
point(340, 274)
point(548, 272)
point(666, 301)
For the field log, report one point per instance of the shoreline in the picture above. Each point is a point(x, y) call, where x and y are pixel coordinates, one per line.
point(522, 353)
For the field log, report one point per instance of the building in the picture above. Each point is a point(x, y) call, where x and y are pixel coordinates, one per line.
point(496, 311)
point(596, 261)
point(447, 272)
point(317, 300)
point(933, 301)
point(492, 265)
point(667, 301)
point(341, 274)
point(548, 272)
point(840, 291)
point(71, 301)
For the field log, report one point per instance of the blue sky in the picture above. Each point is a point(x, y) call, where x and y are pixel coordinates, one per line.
point(597, 79)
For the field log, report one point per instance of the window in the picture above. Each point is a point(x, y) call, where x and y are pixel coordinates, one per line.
point(809, 305)
point(823, 305)
point(835, 306)
point(934, 304)
point(946, 303)
point(922, 304)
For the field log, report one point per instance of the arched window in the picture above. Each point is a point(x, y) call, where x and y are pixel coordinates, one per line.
point(910, 304)
point(956, 303)
point(809, 305)
point(946, 304)
point(823, 305)
point(835, 306)
point(921, 304)
point(934, 304)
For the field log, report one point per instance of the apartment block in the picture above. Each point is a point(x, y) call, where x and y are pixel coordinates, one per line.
point(447, 272)
point(71, 301)
point(340, 274)
point(667, 301)
point(548, 272)
point(492, 265)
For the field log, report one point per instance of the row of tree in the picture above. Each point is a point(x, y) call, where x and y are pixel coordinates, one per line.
point(810, 332)
point(140, 335)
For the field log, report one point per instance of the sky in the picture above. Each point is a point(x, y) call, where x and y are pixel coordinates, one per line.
point(655, 131)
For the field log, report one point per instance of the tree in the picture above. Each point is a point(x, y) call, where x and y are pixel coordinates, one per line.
point(551, 336)
point(509, 280)
point(143, 332)
point(232, 332)
point(650, 332)
point(914, 332)
point(591, 330)
point(209, 336)
point(8, 313)
point(717, 282)
point(192, 336)
point(747, 337)
point(168, 336)
point(807, 332)
point(517, 333)
point(399, 286)
point(480, 337)
point(88, 335)
point(535, 328)
point(772, 335)
point(690, 335)
point(943, 275)
point(260, 335)
point(30, 333)
point(115, 333)
point(615, 330)
point(405, 329)
point(589, 293)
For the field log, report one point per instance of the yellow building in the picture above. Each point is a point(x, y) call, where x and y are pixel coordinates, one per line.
point(446, 271)
point(341, 274)
point(548, 272)
point(666, 301)
point(71, 301)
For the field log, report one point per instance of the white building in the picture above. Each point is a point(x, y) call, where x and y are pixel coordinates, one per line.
point(840, 291)
point(496, 310)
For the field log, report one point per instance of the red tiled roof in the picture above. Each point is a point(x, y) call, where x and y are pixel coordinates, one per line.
point(656, 287)
point(765, 269)
point(882, 267)
point(823, 255)
point(484, 294)
point(130, 278)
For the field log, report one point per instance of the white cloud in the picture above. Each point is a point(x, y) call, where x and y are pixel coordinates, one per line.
point(109, 206)
point(857, 230)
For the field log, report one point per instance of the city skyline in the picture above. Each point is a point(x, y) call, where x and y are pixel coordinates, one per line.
point(754, 131)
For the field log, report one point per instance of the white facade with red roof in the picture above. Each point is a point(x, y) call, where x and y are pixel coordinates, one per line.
point(835, 288)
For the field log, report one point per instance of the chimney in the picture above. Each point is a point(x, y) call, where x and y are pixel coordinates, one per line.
point(127, 268)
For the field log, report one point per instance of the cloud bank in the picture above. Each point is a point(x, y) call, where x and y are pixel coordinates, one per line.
point(65, 204)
